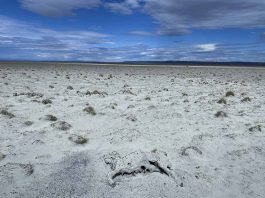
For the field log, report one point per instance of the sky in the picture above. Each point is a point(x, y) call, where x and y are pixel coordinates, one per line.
point(132, 30)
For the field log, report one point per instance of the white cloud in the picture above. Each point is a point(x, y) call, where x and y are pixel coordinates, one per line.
point(24, 36)
point(24, 41)
point(57, 7)
point(207, 47)
point(174, 16)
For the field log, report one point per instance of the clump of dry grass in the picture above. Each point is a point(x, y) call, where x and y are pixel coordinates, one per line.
point(222, 101)
point(255, 128)
point(2, 156)
point(147, 98)
point(220, 114)
point(51, 118)
point(246, 99)
point(229, 93)
point(132, 118)
point(7, 113)
point(128, 92)
point(96, 92)
point(46, 101)
point(78, 139)
point(90, 110)
point(70, 87)
point(110, 76)
point(29, 94)
point(113, 105)
point(28, 168)
point(61, 125)
point(28, 123)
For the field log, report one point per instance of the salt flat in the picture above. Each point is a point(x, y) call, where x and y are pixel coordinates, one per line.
point(76, 130)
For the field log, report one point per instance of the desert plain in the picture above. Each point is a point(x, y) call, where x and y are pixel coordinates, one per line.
point(87, 130)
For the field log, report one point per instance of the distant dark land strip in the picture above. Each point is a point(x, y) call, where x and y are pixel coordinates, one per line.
point(148, 63)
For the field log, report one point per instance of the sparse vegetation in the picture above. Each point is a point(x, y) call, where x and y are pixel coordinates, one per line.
point(113, 105)
point(46, 101)
point(28, 168)
point(51, 118)
point(128, 92)
point(70, 88)
point(222, 101)
point(220, 114)
point(28, 123)
point(90, 110)
point(96, 92)
point(246, 99)
point(29, 94)
point(147, 98)
point(2, 156)
point(229, 93)
point(255, 128)
point(61, 125)
point(78, 139)
point(132, 118)
point(110, 76)
point(7, 113)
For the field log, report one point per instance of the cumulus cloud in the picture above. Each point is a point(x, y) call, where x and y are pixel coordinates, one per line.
point(175, 17)
point(24, 41)
point(57, 7)
point(180, 16)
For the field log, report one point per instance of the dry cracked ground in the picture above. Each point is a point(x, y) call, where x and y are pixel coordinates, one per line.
point(77, 130)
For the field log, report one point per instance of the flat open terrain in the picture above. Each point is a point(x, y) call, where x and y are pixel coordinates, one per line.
point(76, 130)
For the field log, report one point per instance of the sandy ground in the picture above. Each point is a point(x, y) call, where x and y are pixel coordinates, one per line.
point(69, 130)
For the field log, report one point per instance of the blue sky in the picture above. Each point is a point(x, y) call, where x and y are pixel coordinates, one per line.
point(104, 30)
